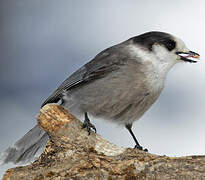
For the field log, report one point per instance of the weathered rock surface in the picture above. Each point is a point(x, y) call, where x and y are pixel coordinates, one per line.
point(72, 154)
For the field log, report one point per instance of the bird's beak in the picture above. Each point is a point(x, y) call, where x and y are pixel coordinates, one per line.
point(189, 56)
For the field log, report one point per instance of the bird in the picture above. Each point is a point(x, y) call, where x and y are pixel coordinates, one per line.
point(119, 84)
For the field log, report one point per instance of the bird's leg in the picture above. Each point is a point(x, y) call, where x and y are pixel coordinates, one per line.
point(129, 128)
point(87, 124)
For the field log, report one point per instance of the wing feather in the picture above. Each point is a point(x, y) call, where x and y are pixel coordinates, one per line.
point(104, 63)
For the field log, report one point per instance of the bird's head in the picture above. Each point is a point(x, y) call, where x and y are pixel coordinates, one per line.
point(165, 47)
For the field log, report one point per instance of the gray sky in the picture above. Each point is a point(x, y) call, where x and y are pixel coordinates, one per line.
point(43, 41)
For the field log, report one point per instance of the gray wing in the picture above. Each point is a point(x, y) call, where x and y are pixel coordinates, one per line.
point(104, 63)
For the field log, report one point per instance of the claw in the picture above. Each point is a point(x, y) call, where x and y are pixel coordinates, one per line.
point(140, 148)
point(87, 124)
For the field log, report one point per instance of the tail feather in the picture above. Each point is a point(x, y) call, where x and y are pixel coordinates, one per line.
point(26, 147)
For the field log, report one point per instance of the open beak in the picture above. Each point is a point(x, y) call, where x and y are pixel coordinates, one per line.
point(189, 56)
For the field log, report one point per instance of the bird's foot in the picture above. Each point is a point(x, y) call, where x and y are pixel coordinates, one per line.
point(140, 148)
point(87, 124)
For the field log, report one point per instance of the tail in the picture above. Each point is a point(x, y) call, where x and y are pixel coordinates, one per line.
point(26, 147)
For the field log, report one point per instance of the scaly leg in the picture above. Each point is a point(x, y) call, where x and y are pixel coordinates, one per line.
point(129, 128)
point(87, 124)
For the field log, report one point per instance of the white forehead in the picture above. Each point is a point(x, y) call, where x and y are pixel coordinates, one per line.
point(180, 45)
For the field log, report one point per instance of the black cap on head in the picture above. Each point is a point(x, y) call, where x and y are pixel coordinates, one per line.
point(148, 39)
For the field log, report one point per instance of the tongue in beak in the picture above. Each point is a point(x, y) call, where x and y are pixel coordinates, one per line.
point(189, 56)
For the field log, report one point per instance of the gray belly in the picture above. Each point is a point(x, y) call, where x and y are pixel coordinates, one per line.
point(122, 100)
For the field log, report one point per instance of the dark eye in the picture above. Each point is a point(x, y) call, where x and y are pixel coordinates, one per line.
point(170, 45)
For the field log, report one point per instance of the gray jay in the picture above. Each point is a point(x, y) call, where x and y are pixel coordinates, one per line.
point(119, 84)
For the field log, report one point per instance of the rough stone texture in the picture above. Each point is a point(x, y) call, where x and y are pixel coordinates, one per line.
point(72, 154)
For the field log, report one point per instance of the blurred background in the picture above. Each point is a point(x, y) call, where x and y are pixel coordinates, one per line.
point(43, 41)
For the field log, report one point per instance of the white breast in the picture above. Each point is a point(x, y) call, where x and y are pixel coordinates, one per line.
point(157, 64)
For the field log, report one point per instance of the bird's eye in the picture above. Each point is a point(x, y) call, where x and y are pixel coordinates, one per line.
point(170, 45)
